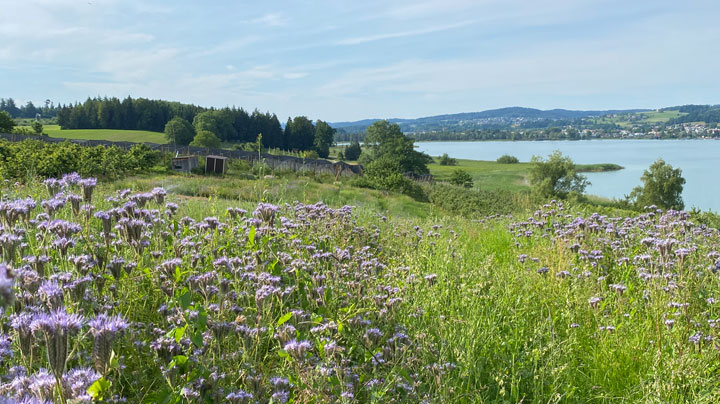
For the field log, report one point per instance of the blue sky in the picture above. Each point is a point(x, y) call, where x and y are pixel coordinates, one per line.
point(348, 60)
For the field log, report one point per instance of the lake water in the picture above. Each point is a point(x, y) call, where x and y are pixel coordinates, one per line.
point(698, 159)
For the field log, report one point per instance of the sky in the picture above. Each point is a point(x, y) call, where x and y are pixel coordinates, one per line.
point(349, 60)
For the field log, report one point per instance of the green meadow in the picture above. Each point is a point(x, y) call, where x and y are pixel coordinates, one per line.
point(491, 175)
point(113, 135)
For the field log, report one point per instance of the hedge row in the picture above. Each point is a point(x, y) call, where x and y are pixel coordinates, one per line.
point(29, 158)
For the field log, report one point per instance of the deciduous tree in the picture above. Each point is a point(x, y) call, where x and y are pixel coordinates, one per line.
point(662, 187)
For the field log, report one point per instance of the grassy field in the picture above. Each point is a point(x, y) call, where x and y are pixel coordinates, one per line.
point(492, 175)
point(660, 117)
point(106, 134)
point(315, 304)
point(629, 120)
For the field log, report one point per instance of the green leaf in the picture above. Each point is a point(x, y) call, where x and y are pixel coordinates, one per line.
point(99, 388)
point(197, 340)
point(202, 319)
point(184, 299)
point(284, 318)
point(251, 237)
point(178, 333)
point(178, 360)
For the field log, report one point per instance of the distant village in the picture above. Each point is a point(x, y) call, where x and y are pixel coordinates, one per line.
point(689, 130)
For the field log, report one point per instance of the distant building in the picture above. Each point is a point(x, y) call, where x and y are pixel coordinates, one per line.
point(215, 164)
point(184, 163)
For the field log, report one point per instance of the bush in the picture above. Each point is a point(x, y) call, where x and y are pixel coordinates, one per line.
point(6, 122)
point(469, 202)
point(37, 127)
point(205, 138)
point(556, 177)
point(662, 187)
point(446, 160)
point(310, 154)
point(352, 152)
point(23, 130)
point(461, 178)
point(507, 159)
point(385, 174)
point(33, 157)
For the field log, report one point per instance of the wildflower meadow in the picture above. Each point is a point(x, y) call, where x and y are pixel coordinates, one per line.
point(111, 294)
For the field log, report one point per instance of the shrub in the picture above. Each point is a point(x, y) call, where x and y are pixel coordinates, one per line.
point(386, 174)
point(507, 159)
point(34, 157)
point(310, 154)
point(23, 130)
point(205, 138)
point(470, 202)
point(446, 160)
point(461, 178)
point(556, 177)
point(6, 122)
point(352, 152)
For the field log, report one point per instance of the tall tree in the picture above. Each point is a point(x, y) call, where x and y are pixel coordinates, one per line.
point(6, 122)
point(662, 186)
point(386, 140)
point(324, 135)
point(303, 133)
point(179, 131)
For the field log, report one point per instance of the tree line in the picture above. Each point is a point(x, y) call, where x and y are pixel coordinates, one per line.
point(551, 133)
point(183, 122)
point(29, 110)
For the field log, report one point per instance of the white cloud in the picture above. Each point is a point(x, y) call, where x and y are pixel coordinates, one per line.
point(293, 76)
point(227, 47)
point(139, 65)
point(271, 20)
point(401, 34)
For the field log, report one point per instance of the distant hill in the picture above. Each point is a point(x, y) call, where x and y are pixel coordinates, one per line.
point(493, 118)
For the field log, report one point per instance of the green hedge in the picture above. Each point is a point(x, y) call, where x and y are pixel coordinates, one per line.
point(19, 160)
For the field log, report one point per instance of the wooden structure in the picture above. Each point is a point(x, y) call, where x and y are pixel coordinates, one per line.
point(215, 164)
point(184, 163)
point(419, 177)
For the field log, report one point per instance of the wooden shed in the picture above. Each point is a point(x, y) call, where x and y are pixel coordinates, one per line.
point(184, 163)
point(215, 164)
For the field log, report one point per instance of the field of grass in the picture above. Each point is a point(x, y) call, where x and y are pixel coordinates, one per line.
point(629, 120)
point(512, 177)
point(487, 174)
point(106, 134)
point(179, 299)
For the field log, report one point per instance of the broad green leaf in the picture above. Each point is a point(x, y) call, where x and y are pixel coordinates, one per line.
point(284, 318)
point(184, 299)
point(197, 340)
point(99, 388)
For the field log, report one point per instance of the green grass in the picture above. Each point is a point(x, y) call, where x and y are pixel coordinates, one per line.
point(113, 135)
point(513, 335)
point(491, 175)
point(283, 189)
point(660, 117)
point(627, 121)
point(599, 167)
point(487, 174)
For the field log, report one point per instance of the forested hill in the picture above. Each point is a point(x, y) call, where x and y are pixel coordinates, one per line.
point(494, 118)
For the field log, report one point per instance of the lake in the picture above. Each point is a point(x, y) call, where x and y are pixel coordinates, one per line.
point(697, 158)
